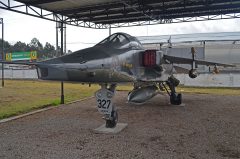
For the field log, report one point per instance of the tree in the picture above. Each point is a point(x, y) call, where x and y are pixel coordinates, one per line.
point(7, 47)
point(49, 50)
point(19, 46)
point(35, 45)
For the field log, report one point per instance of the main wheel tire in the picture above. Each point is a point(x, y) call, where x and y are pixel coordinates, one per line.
point(179, 99)
point(176, 99)
point(113, 122)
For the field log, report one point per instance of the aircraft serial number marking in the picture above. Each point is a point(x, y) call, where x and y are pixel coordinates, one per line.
point(103, 103)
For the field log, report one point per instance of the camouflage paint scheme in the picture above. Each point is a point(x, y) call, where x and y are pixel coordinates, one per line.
point(106, 62)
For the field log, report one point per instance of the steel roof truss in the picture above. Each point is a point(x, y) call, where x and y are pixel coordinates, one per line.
point(124, 13)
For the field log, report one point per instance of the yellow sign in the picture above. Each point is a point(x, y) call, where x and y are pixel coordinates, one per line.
point(33, 55)
point(8, 57)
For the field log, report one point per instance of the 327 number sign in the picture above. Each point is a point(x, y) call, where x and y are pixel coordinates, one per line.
point(102, 103)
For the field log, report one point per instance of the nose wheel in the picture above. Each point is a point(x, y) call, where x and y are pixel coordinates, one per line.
point(105, 106)
point(111, 123)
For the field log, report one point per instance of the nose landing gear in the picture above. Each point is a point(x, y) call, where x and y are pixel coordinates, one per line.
point(112, 122)
point(105, 105)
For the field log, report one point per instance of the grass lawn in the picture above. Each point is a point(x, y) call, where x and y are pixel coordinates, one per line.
point(209, 90)
point(20, 96)
point(198, 90)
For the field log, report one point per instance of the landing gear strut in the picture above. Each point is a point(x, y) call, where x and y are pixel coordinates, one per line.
point(105, 105)
point(111, 123)
point(175, 98)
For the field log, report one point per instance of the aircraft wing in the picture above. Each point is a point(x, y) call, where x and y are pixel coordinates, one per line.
point(182, 60)
point(180, 69)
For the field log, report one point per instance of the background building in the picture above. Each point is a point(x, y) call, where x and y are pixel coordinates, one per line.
point(219, 47)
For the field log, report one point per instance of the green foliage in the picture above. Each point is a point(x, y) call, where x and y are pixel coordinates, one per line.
point(44, 52)
point(19, 46)
point(7, 47)
point(35, 44)
point(48, 50)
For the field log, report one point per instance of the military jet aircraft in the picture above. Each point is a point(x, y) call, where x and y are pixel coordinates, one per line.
point(120, 58)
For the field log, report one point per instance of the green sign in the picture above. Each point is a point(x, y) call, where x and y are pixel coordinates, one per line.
point(18, 56)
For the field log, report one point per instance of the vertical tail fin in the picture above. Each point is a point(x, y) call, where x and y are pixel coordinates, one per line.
point(169, 45)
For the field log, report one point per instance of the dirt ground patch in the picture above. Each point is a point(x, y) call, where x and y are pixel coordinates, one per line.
point(207, 127)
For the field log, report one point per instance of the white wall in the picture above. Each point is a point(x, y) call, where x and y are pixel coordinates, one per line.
point(211, 80)
point(203, 80)
point(20, 74)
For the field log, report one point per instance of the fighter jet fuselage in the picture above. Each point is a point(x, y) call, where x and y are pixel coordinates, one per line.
point(108, 62)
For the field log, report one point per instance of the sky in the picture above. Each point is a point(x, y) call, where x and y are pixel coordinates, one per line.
point(19, 27)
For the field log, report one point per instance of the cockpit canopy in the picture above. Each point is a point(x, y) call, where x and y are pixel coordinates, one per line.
point(121, 40)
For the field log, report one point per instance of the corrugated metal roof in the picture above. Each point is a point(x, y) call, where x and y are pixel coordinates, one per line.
point(185, 38)
point(71, 4)
point(126, 11)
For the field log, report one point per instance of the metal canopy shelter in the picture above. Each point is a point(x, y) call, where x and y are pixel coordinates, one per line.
point(103, 14)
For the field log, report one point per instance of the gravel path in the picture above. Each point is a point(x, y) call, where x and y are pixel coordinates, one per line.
point(207, 127)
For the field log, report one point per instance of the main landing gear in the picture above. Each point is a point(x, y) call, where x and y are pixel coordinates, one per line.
point(175, 98)
point(105, 105)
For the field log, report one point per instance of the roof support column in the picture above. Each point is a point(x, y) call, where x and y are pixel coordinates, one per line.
point(62, 86)
point(60, 26)
point(3, 55)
